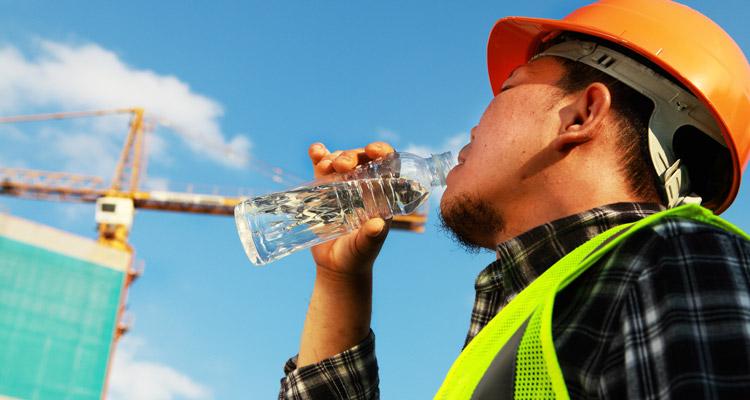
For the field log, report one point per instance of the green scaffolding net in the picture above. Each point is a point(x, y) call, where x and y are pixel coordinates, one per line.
point(57, 323)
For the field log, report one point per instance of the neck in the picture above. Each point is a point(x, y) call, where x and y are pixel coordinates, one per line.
point(550, 205)
point(586, 177)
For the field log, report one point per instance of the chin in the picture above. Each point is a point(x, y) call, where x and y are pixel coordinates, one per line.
point(448, 197)
point(443, 201)
point(470, 220)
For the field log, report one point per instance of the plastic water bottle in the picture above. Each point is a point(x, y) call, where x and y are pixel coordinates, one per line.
point(278, 224)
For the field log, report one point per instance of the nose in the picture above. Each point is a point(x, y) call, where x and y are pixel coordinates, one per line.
point(462, 154)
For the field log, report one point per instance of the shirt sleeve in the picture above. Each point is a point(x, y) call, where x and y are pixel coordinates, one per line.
point(352, 374)
point(686, 321)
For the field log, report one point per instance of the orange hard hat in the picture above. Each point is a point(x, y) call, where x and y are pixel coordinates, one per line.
point(684, 43)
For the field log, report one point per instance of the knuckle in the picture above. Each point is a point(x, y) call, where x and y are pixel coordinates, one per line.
point(340, 167)
point(379, 148)
point(323, 165)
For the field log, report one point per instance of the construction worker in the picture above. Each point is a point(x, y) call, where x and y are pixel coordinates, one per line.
point(585, 173)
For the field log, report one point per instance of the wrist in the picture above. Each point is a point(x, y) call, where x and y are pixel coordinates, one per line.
point(339, 314)
point(362, 273)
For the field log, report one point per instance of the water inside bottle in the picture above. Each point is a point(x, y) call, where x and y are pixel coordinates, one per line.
point(278, 224)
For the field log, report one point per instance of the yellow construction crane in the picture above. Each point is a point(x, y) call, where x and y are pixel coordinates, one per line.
point(115, 209)
point(115, 204)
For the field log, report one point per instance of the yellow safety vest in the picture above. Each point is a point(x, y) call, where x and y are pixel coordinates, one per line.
point(514, 356)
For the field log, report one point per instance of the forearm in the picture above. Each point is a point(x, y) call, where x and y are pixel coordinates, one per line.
point(338, 316)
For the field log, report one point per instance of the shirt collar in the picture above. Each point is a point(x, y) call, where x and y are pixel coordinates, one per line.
point(521, 259)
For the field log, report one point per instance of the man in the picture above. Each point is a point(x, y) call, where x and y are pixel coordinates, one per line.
point(600, 122)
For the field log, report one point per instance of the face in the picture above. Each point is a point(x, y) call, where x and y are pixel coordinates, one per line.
point(495, 173)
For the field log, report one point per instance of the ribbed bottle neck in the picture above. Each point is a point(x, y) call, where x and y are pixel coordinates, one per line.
point(440, 165)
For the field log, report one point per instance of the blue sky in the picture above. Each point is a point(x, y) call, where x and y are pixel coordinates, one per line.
point(259, 80)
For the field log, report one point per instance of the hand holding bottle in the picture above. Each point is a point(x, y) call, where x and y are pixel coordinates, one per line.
point(351, 188)
point(342, 212)
point(353, 253)
point(338, 316)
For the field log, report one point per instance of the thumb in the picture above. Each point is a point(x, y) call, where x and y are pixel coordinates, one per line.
point(370, 237)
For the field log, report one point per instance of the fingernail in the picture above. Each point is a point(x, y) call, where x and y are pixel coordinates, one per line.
point(377, 230)
point(345, 159)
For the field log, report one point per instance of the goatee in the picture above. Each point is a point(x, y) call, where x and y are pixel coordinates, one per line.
point(468, 220)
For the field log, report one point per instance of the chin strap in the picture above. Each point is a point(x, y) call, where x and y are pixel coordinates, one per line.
point(673, 178)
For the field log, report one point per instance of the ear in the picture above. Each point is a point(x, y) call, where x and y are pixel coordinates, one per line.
point(581, 120)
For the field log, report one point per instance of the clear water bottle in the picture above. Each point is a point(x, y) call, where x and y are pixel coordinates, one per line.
point(278, 224)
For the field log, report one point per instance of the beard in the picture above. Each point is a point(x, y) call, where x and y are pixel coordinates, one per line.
point(471, 222)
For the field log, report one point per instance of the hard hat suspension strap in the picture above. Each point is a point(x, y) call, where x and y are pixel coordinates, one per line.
point(674, 107)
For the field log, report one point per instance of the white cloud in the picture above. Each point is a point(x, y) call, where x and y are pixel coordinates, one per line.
point(157, 148)
point(84, 152)
point(388, 135)
point(453, 144)
point(131, 378)
point(82, 77)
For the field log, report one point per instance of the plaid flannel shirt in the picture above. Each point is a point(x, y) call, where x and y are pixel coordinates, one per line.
point(666, 314)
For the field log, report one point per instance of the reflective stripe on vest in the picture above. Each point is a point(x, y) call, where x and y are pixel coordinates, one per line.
point(513, 356)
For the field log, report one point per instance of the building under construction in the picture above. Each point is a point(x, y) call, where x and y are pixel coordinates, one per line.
point(60, 300)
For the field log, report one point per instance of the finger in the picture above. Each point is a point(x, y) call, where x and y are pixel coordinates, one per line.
point(378, 149)
point(370, 238)
point(316, 152)
point(325, 167)
point(362, 157)
point(348, 160)
point(332, 156)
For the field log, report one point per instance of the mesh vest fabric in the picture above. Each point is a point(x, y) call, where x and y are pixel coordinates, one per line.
point(538, 374)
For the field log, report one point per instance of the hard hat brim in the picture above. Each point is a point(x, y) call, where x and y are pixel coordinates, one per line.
point(514, 40)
